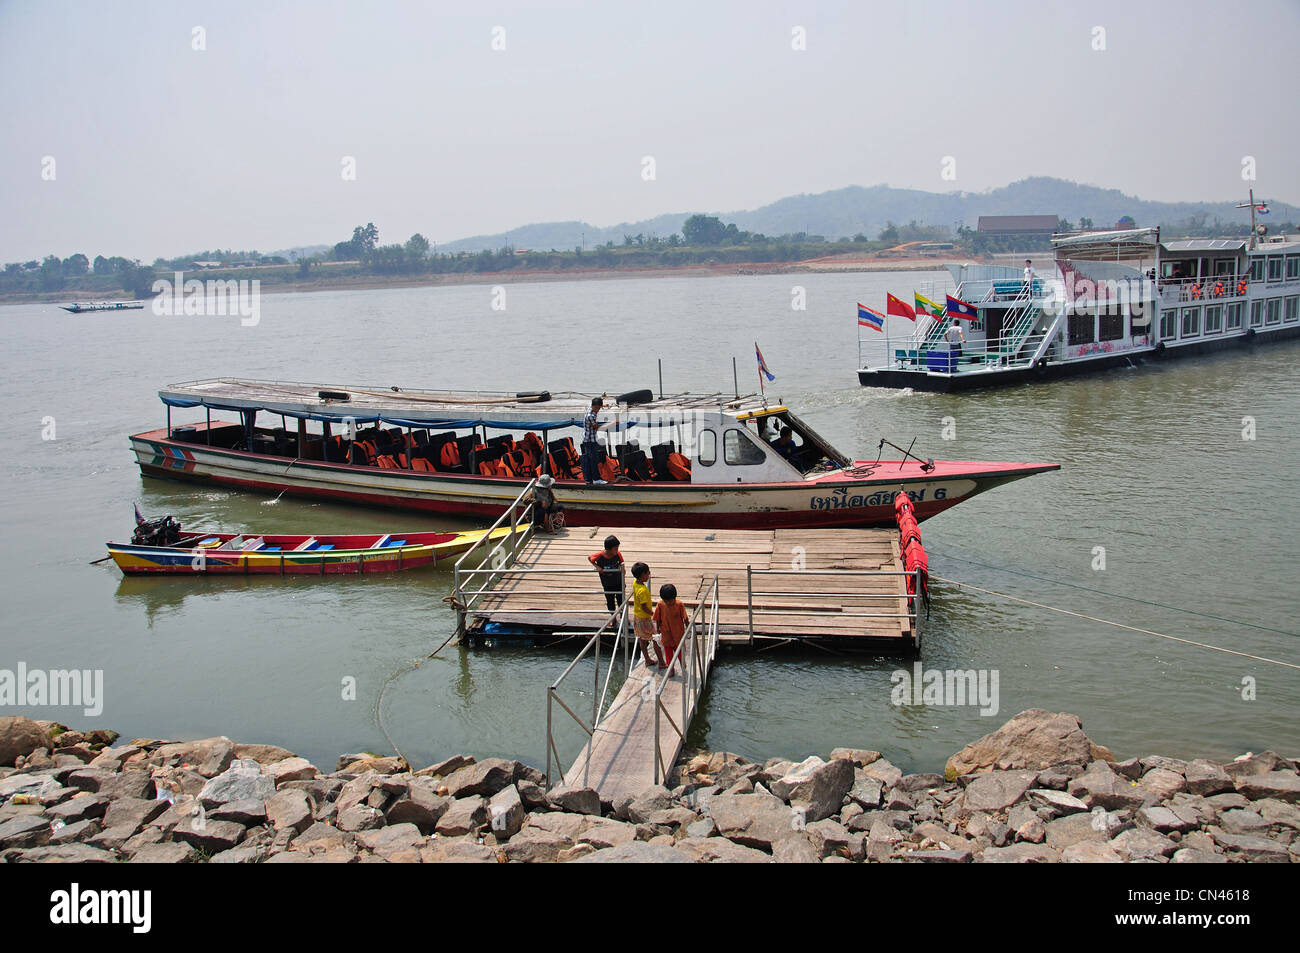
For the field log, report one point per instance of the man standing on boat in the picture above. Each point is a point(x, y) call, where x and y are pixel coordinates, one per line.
point(589, 443)
point(955, 339)
point(1029, 277)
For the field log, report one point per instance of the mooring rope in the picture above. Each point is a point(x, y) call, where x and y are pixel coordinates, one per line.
point(379, 705)
point(1119, 625)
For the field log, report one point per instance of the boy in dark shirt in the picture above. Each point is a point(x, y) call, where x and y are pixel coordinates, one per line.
point(609, 563)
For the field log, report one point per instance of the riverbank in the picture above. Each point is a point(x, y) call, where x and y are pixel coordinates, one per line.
point(276, 280)
point(1037, 790)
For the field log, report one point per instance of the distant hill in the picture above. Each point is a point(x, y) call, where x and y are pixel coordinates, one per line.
point(848, 211)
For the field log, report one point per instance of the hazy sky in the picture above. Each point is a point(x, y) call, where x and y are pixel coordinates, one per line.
point(163, 149)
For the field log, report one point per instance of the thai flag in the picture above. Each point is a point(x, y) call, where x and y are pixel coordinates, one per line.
point(962, 309)
point(139, 517)
point(762, 364)
point(870, 319)
point(1262, 209)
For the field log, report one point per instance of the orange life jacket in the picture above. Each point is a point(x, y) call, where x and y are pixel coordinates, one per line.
point(678, 466)
point(449, 456)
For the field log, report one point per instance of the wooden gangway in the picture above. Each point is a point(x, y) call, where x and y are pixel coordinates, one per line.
point(633, 742)
point(785, 584)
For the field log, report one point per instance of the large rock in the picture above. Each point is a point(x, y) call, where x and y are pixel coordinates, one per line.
point(637, 852)
point(1160, 784)
point(1164, 820)
point(861, 757)
point(602, 832)
point(421, 807)
point(997, 790)
point(1206, 777)
point(1250, 764)
point(247, 812)
point(1034, 739)
point(290, 809)
point(1139, 843)
point(209, 757)
point(172, 853)
point(242, 780)
point(1090, 852)
point(1075, 828)
point(754, 820)
point(360, 817)
point(535, 845)
point(1099, 786)
point(639, 809)
point(440, 770)
point(1059, 803)
point(457, 850)
point(482, 778)
point(66, 854)
point(208, 835)
point(1243, 822)
point(291, 769)
point(263, 754)
point(506, 812)
point(30, 830)
point(719, 850)
point(135, 812)
point(574, 800)
point(465, 815)
point(817, 790)
point(1021, 854)
point(1251, 847)
point(394, 843)
point(866, 792)
point(19, 737)
point(1278, 785)
point(79, 808)
point(1276, 812)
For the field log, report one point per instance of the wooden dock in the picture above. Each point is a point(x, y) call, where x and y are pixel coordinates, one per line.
point(785, 584)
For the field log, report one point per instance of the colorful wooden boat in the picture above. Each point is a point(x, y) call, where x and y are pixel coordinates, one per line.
point(708, 461)
point(199, 554)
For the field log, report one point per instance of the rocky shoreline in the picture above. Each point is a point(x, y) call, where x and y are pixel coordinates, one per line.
point(1037, 790)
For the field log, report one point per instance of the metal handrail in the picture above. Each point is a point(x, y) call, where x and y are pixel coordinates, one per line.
point(617, 619)
point(695, 673)
point(520, 517)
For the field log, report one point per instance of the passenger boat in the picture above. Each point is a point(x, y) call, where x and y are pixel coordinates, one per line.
point(1110, 298)
point(685, 460)
point(198, 554)
point(103, 306)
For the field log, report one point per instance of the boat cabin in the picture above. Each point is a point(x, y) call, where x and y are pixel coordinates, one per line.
point(677, 439)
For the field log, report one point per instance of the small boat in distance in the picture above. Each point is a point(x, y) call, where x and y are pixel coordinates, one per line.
point(158, 547)
point(103, 306)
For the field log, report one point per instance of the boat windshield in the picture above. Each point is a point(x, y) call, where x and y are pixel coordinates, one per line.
point(803, 447)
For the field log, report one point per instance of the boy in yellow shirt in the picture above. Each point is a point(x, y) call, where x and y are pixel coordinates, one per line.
point(643, 626)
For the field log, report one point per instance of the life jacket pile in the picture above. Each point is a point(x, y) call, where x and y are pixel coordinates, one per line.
point(914, 558)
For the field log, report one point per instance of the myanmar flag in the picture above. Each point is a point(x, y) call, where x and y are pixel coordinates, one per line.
point(901, 308)
point(925, 306)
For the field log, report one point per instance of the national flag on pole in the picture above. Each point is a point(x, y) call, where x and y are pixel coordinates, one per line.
point(762, 364)
point(139, 517)
point(901, 308)
point(870, 319)
point(962, 309)
point(1262, 209)
point(925, 306)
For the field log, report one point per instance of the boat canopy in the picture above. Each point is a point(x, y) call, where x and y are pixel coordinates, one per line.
point(443, 410)
point(1103, 246)
point(1205, 244)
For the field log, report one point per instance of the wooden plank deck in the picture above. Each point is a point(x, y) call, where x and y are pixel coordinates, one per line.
point(621, 757)
point(815, 603)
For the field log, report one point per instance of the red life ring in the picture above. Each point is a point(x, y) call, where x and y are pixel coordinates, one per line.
point(1219, 289)
point(1196, 292)
point(1241, 286)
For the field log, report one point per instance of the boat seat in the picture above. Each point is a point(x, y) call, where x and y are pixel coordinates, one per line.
point(305, 545)
point(319, 546)
point(391, 543)
point(210, 541)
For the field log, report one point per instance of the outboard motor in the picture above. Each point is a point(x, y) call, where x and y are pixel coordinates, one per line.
point(163, 531)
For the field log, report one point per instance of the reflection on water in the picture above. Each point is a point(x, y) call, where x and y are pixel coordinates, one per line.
point(1154, 471)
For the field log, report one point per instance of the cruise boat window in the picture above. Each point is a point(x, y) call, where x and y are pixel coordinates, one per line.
point(1292, 267)
point(1214, 319)
point(1292, 309)
point(1168, 325)
point(1274, 267)
point(1257, 269)
point(1274, 311)
point(1111, 327)
point(739, 451)
point(708, 447)
point(1256, 313)
point(1234, 316)
point(1191, 322)
point(1082, 329)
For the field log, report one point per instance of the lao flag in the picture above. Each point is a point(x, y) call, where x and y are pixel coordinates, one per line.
point(901, 308)
point(962, 309)
point(762, 364)
point(870, 319)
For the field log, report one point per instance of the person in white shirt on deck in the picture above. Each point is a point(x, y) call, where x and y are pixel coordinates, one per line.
point(955, 338)
point(1029, 276)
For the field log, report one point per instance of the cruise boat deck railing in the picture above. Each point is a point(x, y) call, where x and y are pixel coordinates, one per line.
point(1202, 290)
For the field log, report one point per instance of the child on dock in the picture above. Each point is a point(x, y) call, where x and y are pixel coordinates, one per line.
point(609, 563)
point(670, 618)
point(643, 625)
